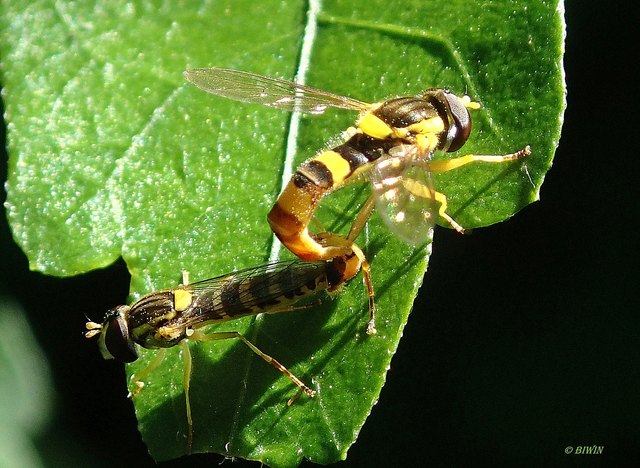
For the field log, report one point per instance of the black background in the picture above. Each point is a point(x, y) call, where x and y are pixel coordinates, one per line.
point(523, 341)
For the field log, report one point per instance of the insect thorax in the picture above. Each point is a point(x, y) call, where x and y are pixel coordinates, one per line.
point(405, 111)
point(151, 318)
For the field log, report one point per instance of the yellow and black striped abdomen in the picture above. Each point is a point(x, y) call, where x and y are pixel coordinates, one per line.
point(269, 291)
point(314, 179)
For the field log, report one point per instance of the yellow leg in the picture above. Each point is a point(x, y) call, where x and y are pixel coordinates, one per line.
point(185, 278)
point(137, 379)
point(139, 384)
point(442, 211)
point(186, 385)
point(449, 165)
point(335, 240)
point(366, 275)
point(358, 225)
point(421, 190)
point(199, 336)
point(361, 220)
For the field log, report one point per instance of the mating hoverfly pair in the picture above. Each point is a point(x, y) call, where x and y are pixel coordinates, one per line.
point(391, 144)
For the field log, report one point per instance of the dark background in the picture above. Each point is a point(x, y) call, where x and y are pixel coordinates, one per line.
point(523, 341)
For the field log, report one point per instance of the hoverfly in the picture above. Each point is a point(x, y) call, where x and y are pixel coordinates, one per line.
point(168, 317)
point(392, 144)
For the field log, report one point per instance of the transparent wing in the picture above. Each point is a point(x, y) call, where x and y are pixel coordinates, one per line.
point(237, 293)
point(405, 195)
point(271, 92)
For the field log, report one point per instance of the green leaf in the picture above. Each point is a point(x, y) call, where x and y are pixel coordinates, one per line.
point(113, 154)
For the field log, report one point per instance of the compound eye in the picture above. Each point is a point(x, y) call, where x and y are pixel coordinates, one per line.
point(115, 341)
point(460, 128)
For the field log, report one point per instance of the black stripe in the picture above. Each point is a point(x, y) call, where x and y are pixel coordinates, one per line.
point(352, 155)
point(153, 309)
point(278, 216)
point(231, 301)
point(301, 181)
point(370, 148)
point(405, 111)
point(312, 284)
point(335, 271)
point(260, 288)
point(289, 281)
point(318, 172)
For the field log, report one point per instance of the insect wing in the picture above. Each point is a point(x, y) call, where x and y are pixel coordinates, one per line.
point(405, 195)
point(271, 92)
point(237, 294)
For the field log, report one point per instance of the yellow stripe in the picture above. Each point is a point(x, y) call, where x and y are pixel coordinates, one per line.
point(337, 165)
point(297, 202)
point(181, 299)
point(425, 126)
point(374, 126)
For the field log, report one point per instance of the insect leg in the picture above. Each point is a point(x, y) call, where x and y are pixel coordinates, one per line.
point(420, 190)
point(358, 224)
point(186, 385)
point(185, 278)
point(328, 238)
point(445, 166)
point(137, 379)
point(361, 219)
point(366, 275)
point(199, 336)
point(292, 308)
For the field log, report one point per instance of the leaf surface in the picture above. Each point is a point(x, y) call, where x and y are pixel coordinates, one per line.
point(113, 154)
